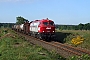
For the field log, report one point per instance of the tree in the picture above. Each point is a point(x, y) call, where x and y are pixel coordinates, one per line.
point(80, 26)
point(87, 26)
point(20, 20)
point(0, 24)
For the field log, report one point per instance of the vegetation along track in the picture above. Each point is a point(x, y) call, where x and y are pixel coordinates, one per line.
point(63, 49)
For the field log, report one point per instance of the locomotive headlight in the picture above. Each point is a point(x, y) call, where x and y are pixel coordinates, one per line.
point(53, 31)
point(43, 31)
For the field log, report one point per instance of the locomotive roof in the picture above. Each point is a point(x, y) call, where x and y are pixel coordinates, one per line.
point(43, 20)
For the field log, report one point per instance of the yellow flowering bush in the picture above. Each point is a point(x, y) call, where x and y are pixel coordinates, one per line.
point(78, 40)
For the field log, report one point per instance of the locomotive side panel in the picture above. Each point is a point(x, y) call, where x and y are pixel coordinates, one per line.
point(34, 26)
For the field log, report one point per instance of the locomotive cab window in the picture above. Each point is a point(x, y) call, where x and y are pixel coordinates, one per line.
point(45, 23)
point(51, 23)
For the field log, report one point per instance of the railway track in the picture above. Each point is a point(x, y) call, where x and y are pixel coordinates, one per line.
point(63, 49)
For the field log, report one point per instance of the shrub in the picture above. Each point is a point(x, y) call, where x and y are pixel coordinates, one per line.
point(77, 40)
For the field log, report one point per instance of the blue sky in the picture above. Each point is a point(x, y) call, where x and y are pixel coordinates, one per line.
point(60, 11)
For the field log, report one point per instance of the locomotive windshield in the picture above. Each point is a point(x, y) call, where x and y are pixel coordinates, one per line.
point(45, 23)
point(48, 23)
point(51, 23)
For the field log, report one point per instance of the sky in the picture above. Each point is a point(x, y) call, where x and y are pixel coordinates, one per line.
point(71, 12)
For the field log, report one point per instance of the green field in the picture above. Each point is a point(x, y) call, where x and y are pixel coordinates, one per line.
point(13, 47)
point(67, 35)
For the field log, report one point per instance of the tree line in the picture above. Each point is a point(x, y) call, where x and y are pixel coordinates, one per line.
point(74, 27)
point(6, 25)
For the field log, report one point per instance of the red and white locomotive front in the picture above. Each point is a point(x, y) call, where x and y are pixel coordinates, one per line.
point(44, 28)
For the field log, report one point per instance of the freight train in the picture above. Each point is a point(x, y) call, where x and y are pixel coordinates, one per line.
point(42, 29)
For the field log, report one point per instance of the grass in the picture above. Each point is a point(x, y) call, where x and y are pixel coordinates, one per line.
point(14, 47)
point(73, 33)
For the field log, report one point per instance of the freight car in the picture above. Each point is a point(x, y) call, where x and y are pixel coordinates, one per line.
point(26, 28)
point(21, 28)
